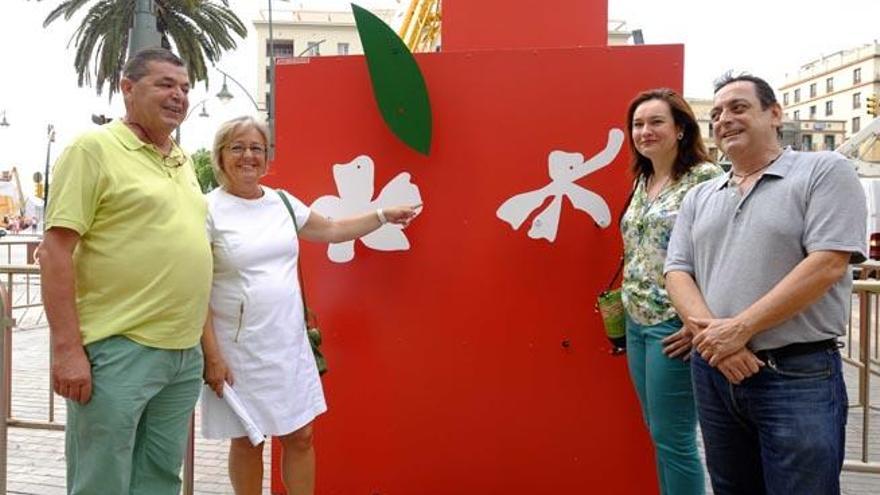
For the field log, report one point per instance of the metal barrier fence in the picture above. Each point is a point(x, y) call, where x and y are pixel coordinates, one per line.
point(7, 298)
point(862, 350)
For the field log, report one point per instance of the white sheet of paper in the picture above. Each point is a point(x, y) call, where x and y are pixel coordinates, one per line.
point(254, 434)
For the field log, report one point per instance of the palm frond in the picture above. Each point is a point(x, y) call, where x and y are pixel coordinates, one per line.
point(201, 30)
point(67, 8)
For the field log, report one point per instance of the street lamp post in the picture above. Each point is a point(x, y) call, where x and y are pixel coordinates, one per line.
point(224, 95)
point(143, 30)
point(50, 138)
point(203, 114)
point(312, 46)
point(270, 105)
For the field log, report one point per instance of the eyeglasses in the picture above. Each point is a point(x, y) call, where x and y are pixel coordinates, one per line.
point(173, 161)
point(239, 149)
point(175, 158)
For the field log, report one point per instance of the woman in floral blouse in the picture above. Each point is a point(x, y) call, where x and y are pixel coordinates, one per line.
point(668, 159)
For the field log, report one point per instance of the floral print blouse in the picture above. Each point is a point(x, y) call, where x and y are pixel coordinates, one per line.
point(646, 228)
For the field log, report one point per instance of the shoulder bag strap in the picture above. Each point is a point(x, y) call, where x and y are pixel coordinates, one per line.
point(620, 222)
point(302, 288)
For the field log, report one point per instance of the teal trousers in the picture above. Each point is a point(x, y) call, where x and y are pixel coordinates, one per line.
point(667, 398)
point(131, 435)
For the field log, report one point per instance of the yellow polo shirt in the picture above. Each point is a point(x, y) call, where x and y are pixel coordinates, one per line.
point(143, 263)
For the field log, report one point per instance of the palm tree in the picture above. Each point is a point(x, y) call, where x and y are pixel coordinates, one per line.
point(200, 29)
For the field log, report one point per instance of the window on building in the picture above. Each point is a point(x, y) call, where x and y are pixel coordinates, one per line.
point(711, 130)
point(797, 95)
point(856, 125)
point(314, 49)
point(283, 48)
point(857, 76)
point(857, 100)
point(797, 115)
point(342, 48)
point(268, 75)
point(813, 90)
point(812, 111)
point(829, 108)
point(785, 99)
point(829, 141)
point(807, 142)
point(829, 85)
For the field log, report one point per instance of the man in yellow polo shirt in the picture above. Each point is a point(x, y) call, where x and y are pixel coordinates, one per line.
point(126, 275)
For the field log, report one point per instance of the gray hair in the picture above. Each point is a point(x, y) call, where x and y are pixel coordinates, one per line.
point(224, 136)
point(136, 67)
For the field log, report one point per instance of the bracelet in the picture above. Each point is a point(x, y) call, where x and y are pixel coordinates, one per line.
point(381, 215)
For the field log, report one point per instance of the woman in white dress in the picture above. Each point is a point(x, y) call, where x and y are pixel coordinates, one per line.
point(254, 337)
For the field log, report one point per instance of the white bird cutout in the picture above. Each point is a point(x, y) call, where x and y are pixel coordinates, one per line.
point(564, 168)
point(354, 183)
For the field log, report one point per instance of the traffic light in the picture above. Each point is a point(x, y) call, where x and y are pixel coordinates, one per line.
point(873, 105)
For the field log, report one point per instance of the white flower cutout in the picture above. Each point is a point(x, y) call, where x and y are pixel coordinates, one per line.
point(354, 183)
point(564, 168)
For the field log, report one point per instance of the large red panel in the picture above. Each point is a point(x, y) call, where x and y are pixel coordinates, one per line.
point(493, 24)
point(448, 370)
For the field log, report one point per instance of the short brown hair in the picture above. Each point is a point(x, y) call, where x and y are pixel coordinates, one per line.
point(691, 150)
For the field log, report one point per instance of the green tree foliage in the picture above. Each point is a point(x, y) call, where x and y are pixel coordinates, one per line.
point(204, 172)
point(200, 29)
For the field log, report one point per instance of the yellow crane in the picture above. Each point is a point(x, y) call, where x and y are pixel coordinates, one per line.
point(420, 30)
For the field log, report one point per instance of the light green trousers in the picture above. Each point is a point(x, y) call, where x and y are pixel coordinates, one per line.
point(131, 436)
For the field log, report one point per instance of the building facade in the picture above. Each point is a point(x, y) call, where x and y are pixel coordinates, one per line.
point(306, 33)
point(830, 90)
point(312, 33)
point(702, 107)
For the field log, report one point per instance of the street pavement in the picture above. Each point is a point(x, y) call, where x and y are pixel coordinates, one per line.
point(36, 456)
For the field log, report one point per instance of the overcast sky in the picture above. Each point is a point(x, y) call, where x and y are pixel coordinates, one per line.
point(766, 37)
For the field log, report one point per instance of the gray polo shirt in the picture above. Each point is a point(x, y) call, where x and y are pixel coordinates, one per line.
point(738, 247)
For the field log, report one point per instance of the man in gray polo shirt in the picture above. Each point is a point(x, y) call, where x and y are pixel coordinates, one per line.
point(757, 268)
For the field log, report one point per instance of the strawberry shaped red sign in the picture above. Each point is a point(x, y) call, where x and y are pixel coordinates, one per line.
point(472, 361)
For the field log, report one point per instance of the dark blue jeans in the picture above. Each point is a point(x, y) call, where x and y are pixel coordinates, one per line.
point(780, 432)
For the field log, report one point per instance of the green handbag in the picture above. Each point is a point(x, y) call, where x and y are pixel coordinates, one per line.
point(610, 306)
point(312, 330)
point(610, 302)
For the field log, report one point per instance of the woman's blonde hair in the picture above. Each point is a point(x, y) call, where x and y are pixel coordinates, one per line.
point(224, 136)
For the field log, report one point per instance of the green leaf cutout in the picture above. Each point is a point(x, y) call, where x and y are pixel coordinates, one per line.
point(398, 84)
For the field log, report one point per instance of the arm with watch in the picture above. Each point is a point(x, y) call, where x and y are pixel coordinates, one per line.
point(319, 228)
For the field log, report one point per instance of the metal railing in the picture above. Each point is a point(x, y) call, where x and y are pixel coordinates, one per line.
point(12, 251)
point(862, 352)
point(7, 298)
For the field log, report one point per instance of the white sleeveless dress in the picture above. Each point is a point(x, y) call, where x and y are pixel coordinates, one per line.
point(258, 316)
